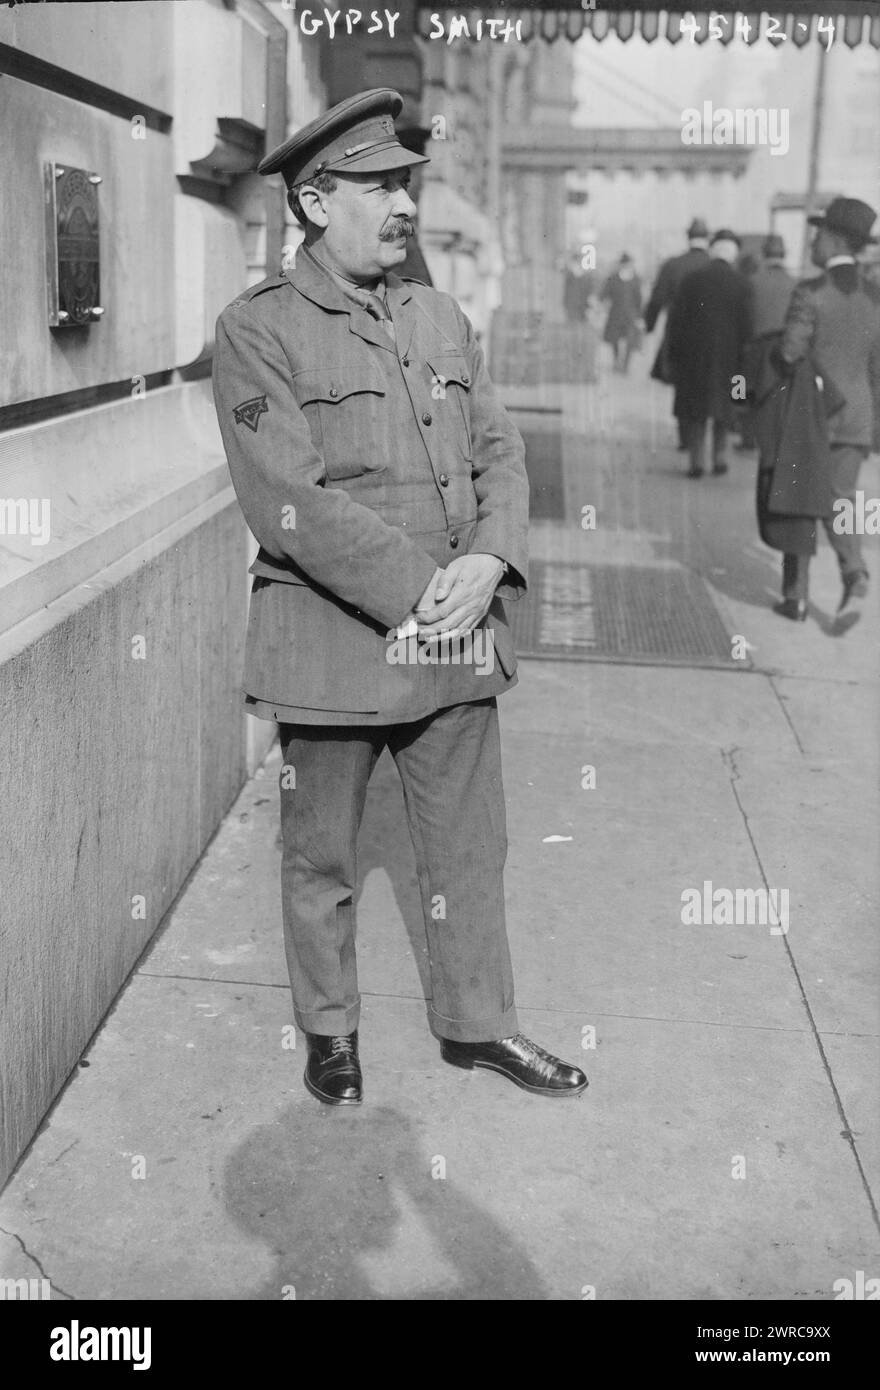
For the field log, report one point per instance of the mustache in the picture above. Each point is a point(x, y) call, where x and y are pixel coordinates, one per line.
point(400, 226)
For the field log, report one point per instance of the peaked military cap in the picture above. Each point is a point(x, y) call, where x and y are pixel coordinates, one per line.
point(356, 136)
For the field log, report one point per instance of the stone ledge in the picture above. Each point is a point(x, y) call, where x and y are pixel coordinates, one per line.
point(115, 476)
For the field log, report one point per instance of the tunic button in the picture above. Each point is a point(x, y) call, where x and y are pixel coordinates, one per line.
point(453, 541)
point(333, 392)
point(426, 419)
point(444, 480)
point(406, 361)
point(466, 381)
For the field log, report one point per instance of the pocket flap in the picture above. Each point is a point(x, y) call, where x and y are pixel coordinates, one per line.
point(335, 384)
point(451, 366)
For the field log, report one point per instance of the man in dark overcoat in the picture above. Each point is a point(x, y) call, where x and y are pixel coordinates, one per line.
point(708, 329)
point(670, 276)
point(835, 317)
point(770, 289)
point(386, 487)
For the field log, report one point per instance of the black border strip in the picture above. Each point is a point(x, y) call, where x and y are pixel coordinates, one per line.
point(828, 8)
point(15, 63)
point(13, 417)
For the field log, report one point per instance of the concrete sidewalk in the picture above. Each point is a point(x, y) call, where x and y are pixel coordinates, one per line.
point(728, 1145)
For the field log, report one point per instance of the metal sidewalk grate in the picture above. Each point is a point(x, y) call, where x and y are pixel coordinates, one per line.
point(612, 613)
point(544, 469)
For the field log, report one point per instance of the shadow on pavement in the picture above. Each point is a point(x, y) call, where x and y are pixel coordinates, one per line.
point(346, 1202)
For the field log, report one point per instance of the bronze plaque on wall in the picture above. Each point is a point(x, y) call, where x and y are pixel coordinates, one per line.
point(73, 265)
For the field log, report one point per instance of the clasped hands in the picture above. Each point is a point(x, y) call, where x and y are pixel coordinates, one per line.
point(457, 598)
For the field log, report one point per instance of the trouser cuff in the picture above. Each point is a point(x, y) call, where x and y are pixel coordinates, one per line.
point(328, 1022)
point(488, 1029)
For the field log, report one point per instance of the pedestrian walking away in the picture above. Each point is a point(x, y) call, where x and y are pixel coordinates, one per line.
point(770, 290)
point(835, 318)
point(708, 330)
point(622, 292)
point(671, 274)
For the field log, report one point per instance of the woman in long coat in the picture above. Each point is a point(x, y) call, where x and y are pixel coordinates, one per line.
point(623, 294)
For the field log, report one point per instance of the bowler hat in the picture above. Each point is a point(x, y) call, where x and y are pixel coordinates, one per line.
point(697, 228)
point(850, 217)
point(773, 248)
point(356, 136)
point(725, 234)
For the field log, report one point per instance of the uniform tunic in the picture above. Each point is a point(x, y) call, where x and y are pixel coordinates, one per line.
point(362, 462)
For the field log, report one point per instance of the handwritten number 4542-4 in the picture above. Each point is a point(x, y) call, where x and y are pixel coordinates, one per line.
point(742, 27)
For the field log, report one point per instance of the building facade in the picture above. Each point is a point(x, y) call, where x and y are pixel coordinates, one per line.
point(130, 136)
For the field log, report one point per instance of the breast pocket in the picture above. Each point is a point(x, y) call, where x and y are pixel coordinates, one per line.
point(450, 388)
point(347, 413)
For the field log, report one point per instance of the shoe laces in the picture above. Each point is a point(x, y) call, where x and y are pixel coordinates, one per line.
point(341, 1044)
point(532, 1047)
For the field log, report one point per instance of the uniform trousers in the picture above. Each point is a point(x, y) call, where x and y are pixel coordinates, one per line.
point(846, 461)
point(450, 767)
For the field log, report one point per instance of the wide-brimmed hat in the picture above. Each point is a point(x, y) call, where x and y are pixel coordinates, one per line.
point(356, 136)
point(850, 217)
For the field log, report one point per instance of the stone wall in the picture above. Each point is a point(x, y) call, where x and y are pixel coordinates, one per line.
point(122, 738)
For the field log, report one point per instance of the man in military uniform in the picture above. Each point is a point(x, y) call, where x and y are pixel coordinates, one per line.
point(386, 487)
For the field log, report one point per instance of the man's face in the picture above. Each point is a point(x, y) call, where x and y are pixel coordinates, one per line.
point(366, 221)
point(827, 244)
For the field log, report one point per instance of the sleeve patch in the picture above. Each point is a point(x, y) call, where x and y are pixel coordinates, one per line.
point(249, 412)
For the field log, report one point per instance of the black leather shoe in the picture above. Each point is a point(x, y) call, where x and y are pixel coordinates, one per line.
point(694, 473)
point(854, 586)
point(521, 1061)
point(333, 1072)
point(794, 608)
point(718, 469)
